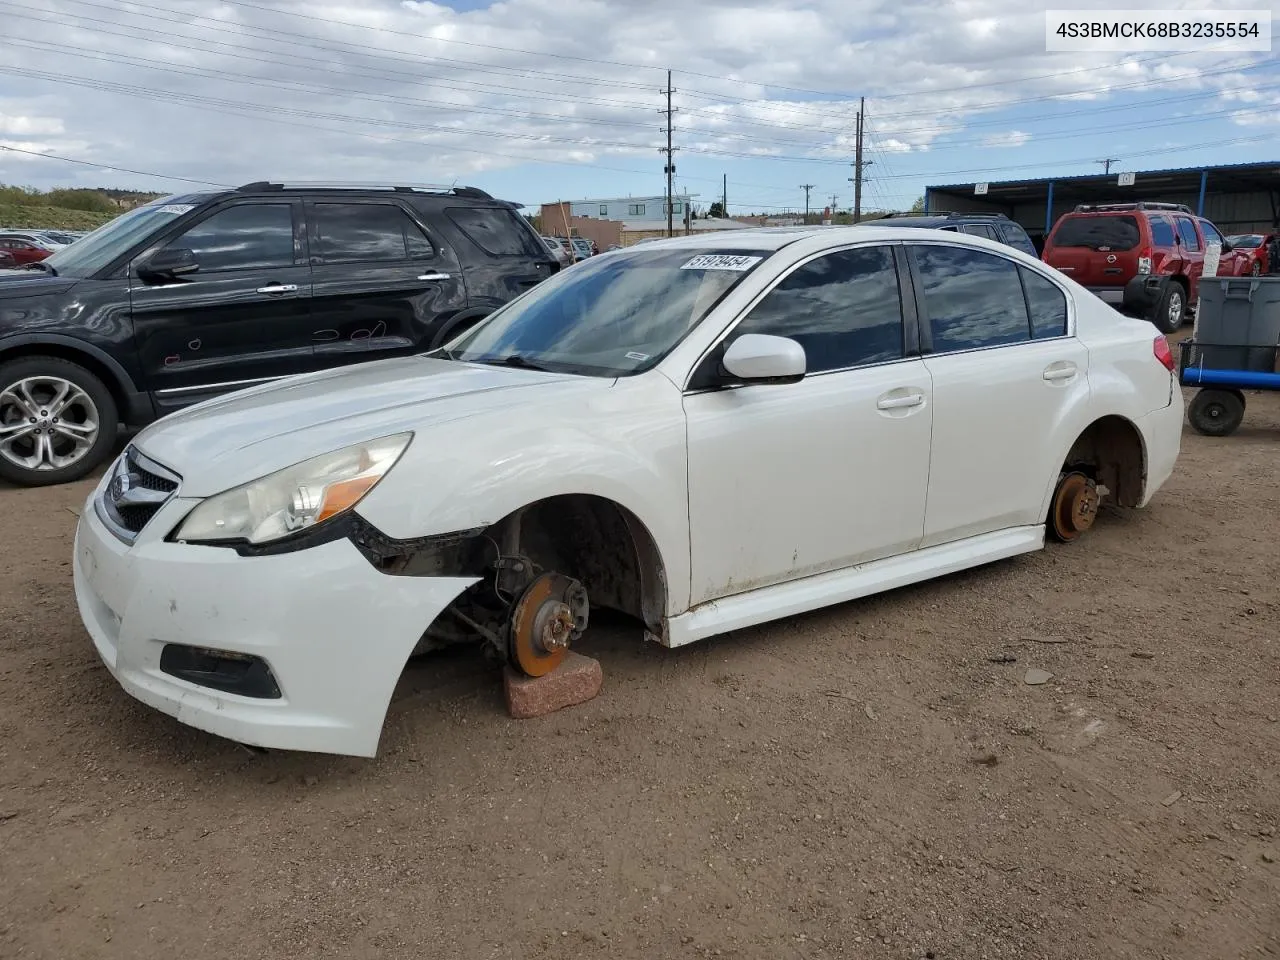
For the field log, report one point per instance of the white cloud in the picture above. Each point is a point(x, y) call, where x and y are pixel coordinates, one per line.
point(20, 126)
point(1011, 138)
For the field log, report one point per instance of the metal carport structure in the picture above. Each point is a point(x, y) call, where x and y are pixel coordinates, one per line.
point(1237, 198)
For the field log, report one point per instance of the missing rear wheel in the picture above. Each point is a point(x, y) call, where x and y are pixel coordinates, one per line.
point(1074, 507)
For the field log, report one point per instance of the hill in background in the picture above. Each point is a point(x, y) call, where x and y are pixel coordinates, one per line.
point(31, 209)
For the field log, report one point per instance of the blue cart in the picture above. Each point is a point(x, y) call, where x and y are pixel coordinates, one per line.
point(1223, 372)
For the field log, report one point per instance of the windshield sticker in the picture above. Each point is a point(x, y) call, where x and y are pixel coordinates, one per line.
point(638, 357)
point(722, 261)
point(177, 208)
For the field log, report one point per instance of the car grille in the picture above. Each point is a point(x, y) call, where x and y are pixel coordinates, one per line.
point(137, 488)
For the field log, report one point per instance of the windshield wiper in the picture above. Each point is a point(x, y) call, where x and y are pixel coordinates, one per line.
point(512, 360)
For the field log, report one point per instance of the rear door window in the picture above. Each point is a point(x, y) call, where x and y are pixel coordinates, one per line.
point(1098, 233)
point(1187, 230)
point(980, 230)
point(1161, 232)
point(972, 299)
point(367, 233)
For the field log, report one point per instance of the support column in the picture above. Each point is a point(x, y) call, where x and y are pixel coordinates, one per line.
point(1204, 182)
point(1048, 211)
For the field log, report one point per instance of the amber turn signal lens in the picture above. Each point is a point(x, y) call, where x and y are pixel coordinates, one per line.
point(344, 495)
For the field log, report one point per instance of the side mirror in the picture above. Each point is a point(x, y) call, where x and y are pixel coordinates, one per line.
point(1226, 247)
point(760, 358)
point(168, 263)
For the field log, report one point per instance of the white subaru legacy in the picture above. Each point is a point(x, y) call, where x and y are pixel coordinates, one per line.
point(704, 433)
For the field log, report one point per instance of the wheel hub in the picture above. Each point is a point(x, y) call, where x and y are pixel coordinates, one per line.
point(1075, 506)
point(549, 616)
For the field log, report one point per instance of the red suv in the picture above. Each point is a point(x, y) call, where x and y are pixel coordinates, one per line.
point(1143, 258)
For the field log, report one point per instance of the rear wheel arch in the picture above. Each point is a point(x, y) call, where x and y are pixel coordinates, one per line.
point(455, 325)
point(1111, 451)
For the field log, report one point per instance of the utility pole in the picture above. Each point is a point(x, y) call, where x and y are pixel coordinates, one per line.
point(859, 165)
point(806, 187)
point(835, 202)
point(1107, 163)
point(669, 150)
point(724, 197)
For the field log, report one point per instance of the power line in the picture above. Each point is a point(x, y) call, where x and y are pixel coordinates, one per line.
point(302, 86)
point(274, 37)
point(643, 66)
point(108, 166)
point(277, 39)
point(560, 96)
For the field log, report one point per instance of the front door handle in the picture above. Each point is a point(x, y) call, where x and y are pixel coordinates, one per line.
point(433, 276)
point(897, 403)
point(1063, 370)
point(279, 288)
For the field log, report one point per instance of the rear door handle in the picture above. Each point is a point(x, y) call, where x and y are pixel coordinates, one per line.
point(896, 403)
point(1063, 370)
point(279, 288)
point(433, 276)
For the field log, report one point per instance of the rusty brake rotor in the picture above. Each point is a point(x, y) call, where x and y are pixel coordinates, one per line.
point(550, 615)
point(1075, 506)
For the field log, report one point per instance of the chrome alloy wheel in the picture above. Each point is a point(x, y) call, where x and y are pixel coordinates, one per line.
point(46, 423)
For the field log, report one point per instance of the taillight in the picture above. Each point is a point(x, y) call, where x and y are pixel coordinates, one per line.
point(1160, 347)
point(1144, 260)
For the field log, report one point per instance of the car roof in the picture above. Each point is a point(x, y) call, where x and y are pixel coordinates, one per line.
point(775, 238)
point(927, 221)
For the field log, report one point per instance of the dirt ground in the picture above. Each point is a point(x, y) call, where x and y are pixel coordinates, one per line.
point(862, 782)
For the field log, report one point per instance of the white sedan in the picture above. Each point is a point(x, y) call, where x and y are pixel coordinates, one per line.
point(705, 433)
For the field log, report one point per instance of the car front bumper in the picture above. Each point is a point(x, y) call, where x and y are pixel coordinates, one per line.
point(334, 632)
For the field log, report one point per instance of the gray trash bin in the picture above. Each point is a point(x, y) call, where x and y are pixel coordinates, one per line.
point(1238, 323)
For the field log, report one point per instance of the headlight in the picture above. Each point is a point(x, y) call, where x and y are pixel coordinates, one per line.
point(295, 498)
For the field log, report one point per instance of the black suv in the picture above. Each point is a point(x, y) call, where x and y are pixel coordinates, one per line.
point(198, 295)
point(993, 226)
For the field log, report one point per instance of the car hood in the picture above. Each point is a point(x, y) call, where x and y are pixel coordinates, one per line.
point(231, 440)
point(22, 282)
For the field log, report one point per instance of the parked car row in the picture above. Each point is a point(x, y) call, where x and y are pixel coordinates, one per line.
point(27, 247)
point(198, 295)
point(705, 433)
point(571, 249)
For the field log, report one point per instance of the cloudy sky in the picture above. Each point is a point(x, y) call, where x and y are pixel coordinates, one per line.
point(543, 99)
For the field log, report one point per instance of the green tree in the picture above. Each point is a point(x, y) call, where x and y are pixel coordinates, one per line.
point(918, 206)
point(717, 210)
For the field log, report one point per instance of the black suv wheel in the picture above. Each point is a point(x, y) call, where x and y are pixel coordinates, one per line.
point(1170, 310)
point(57, 421)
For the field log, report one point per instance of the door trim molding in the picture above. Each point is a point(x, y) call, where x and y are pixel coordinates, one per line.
point(202, 387)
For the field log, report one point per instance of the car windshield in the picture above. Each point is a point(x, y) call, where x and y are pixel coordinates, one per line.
point(1095, 233)
point(1245, 240)
point(95, 250)
point(611, 316)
